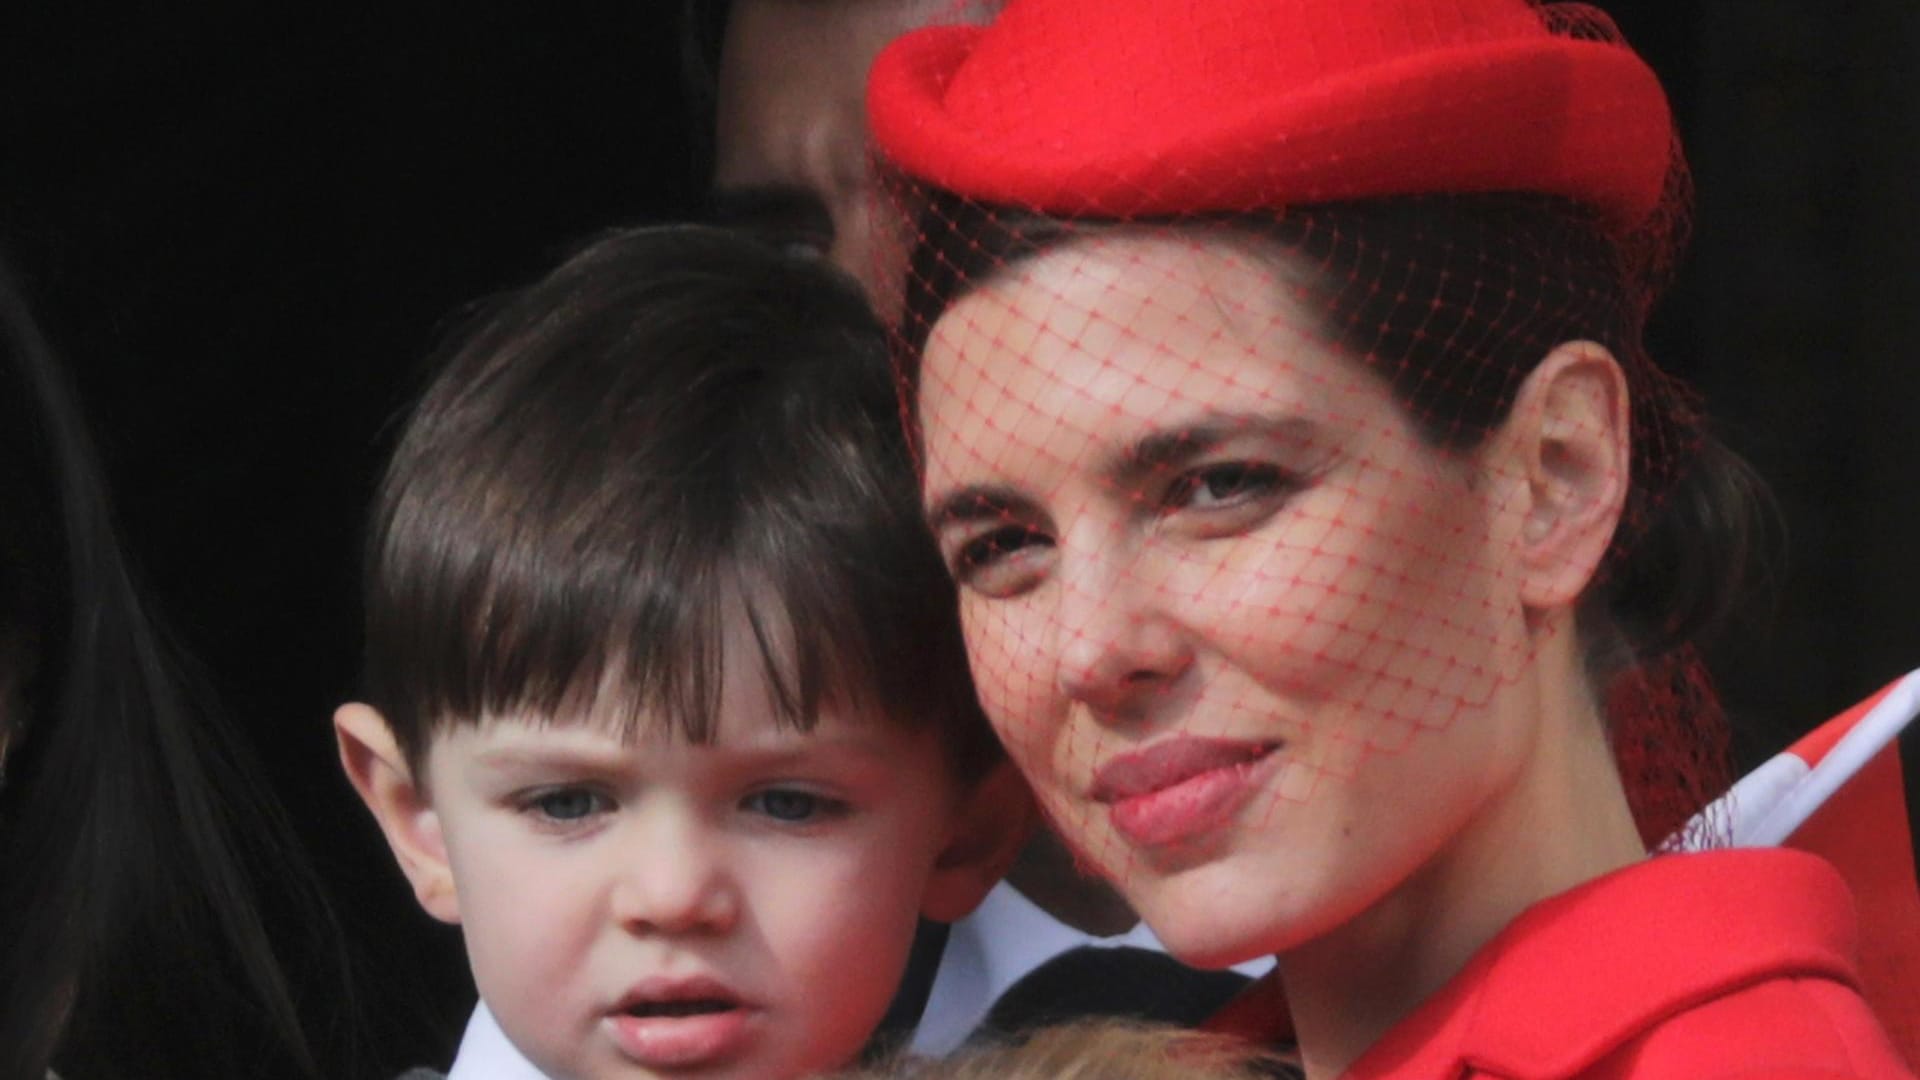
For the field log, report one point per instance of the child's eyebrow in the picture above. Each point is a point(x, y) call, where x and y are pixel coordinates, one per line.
point(792, 742)
point(507, 758)
point(797, 747)
point(788, 748)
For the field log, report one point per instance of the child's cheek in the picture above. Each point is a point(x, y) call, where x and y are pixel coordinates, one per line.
point(874, 875)
point(526, 912)
point(842, 923)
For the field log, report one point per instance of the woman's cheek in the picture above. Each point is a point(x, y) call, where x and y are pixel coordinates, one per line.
point(1009, 666)
point(1268, 612)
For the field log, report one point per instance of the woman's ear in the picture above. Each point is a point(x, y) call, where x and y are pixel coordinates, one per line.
point(380, 773)
point(1570, 434)
point(992, 823)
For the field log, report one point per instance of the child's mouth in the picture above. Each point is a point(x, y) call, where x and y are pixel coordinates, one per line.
point(683, 1023)
point(693, 1007)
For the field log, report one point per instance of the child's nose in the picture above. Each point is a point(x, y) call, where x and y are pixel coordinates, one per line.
point(676, 881)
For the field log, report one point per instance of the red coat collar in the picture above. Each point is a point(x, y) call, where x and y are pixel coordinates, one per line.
point(1580, 974)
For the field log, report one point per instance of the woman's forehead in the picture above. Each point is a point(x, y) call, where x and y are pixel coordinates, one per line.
point(1189, 298)
point(1120, 331)
point(1172, 268)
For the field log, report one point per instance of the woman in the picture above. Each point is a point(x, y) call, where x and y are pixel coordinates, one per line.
point(130, 945)
point(1329, 550)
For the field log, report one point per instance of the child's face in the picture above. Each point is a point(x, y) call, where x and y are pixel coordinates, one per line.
point(737, 909)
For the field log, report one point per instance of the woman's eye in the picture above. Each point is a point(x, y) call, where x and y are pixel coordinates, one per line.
point(567, 804)
point(989, 548)
point(1227, 484)
point(991, 562)
point(791, 806)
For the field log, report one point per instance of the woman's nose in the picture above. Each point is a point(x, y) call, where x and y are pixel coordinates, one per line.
point(677, 879)
point(1113, 638)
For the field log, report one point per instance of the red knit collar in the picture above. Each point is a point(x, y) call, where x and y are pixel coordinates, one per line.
point(1577, 976)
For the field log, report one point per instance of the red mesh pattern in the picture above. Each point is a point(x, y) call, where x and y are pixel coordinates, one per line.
point(1221, 330)
point(1671, 742)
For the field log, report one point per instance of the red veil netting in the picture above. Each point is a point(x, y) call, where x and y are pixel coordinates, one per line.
point(1274, 217)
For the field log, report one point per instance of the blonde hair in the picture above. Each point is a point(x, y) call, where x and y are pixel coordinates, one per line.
point(1096, 1050)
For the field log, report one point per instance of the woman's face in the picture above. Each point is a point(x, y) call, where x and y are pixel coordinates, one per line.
point(1247, 635)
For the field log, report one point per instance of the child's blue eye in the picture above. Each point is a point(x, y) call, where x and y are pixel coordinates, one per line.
point(567, 804)
point(789, 805)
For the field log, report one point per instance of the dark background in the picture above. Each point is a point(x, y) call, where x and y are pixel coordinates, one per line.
point(245, 226)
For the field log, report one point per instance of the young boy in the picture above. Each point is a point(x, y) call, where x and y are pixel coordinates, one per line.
point(666, 700)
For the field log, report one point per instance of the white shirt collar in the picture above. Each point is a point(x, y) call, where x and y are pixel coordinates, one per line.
point(991, 949)
point(487, 1054)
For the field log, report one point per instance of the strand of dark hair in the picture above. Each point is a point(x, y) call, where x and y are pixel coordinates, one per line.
point(133, 944)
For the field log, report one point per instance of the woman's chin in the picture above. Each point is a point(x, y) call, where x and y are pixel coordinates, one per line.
point(1209, 920)
point(1217, 955)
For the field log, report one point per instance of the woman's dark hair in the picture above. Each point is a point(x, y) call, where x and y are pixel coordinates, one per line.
point(1453, 300)
point(676, 420)
point(130, 940)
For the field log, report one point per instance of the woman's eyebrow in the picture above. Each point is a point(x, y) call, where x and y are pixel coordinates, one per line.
point(978, 502)
point(1151, 455)
point(1168, 448)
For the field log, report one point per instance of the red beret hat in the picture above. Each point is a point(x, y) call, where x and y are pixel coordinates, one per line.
point(1123, 108)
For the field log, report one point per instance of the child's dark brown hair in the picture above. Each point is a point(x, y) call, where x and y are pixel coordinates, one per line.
point(675, 418)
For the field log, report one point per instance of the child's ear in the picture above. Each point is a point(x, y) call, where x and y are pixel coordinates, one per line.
point(1569, 432)
point(380, 773)
point(992, 824)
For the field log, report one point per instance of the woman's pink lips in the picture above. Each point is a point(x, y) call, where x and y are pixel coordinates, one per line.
point(661, 1040)
point(1180, 787)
